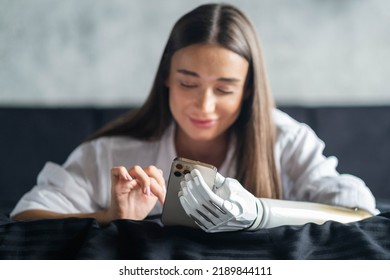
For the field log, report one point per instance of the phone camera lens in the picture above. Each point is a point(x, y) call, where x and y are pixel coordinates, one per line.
point(177, 173)
point(179, 166)
point(186, 171)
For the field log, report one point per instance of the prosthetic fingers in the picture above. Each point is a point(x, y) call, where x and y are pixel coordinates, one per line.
point(228, 206)
point(225, 207)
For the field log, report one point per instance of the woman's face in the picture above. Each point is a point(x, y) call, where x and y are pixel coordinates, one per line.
point(206, 89)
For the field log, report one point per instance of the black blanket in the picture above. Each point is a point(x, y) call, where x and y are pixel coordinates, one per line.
point(125, 239)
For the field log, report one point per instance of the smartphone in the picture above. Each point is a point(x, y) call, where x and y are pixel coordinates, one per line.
point(173, 213)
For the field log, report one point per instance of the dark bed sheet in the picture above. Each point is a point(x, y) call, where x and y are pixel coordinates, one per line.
point(125, 239)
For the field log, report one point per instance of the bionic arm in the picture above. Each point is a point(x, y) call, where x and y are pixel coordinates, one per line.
point(230, 207)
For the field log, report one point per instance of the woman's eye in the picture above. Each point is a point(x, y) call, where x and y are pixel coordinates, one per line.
point(225, 91)
point(187, 85)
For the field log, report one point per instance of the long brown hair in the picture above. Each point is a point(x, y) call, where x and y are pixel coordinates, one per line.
point(228, 27)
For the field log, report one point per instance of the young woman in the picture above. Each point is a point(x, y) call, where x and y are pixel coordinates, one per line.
point(210, 102)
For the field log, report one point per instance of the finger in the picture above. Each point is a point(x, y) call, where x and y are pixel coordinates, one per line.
point(219, 180)
point(187, 202)
point(121, 189)
point(142, 178)
point(155, 173)
point(189, 211)
point(188, 177)
point(203, 190)
point(215, 205)
point(186, 192)
point(120, 172)
point(158, 190)
point(191, 205)
point(193, 211)
point(200, 206)
point(193, 188)
point(121, 181)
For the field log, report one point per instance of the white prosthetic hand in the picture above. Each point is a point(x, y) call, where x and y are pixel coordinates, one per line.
point(228, 206)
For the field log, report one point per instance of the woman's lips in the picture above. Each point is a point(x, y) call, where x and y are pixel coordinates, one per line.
point(203, 123)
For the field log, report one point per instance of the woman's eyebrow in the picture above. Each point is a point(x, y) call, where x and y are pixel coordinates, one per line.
point(194, 74)
point(188, 72)
point(229, 80)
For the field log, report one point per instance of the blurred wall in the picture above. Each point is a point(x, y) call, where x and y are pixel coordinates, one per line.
point(105, 52)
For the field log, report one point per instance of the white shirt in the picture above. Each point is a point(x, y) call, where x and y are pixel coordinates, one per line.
point(82, 184)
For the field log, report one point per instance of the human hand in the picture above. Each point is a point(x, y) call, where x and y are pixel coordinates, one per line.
point(227, 206)
point(134, 192)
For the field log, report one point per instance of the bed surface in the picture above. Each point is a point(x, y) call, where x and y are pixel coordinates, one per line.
point(75, 238)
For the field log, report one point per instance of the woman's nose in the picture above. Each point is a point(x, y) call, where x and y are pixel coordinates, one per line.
point(207, 101)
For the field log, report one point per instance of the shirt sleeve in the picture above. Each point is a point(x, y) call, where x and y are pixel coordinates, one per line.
point(307, 175)
point(74, 187)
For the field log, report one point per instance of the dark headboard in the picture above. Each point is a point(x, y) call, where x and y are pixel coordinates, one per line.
point(358, 136)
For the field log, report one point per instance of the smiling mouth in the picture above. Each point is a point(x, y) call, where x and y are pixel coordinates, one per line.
point(203, 123)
